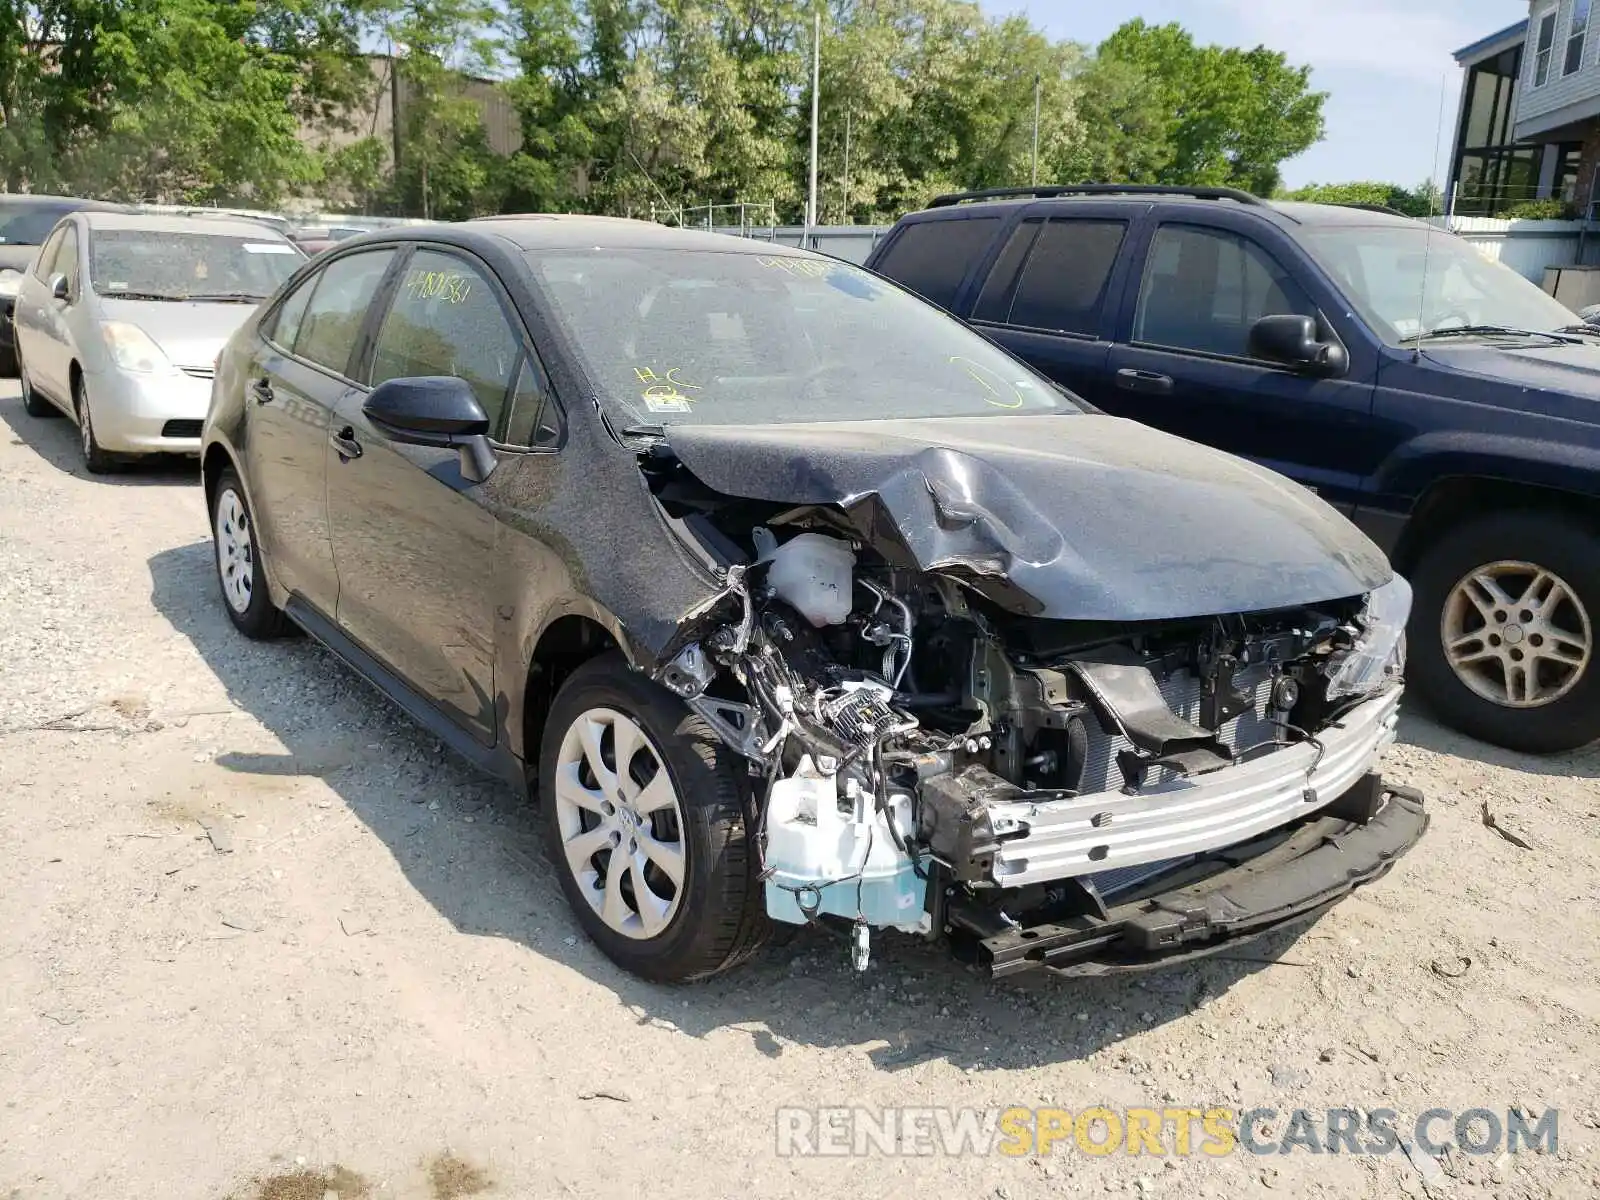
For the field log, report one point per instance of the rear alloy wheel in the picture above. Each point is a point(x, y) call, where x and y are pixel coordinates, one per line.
point(645, 823)
point(33, 403)
point(239, 570)
point(1504, 633)
point(95, 459)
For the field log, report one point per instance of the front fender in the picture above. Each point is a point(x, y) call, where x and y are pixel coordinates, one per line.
point(1431, 457)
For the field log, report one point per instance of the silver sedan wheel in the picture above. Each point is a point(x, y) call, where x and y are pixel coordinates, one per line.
point(621, 822)
point(1516, 634)
point(85, 426)
point(235, 551)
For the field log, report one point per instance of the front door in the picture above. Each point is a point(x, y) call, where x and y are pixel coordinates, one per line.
point(413, 538)
point(50, 348)
point(297, 376)
point(1186, 367)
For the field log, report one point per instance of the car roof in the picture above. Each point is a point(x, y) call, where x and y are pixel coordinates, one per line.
point(161, 223)
point(35, 200)
point(1280, 212)
point(559, 231)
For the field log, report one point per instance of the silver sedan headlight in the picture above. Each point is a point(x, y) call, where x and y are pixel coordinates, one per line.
point(1379, 652)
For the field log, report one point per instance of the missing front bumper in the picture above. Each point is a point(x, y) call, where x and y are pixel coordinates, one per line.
point(1235, 894)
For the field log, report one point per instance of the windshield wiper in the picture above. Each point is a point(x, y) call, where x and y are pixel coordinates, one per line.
point(121, 295)
point(228, 297)
point(1490, 330)
point(1581, 328)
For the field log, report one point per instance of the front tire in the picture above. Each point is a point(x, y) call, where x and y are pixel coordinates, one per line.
point(1505, 632)
point(240, 573)
point(95, 459)
point(645, 822)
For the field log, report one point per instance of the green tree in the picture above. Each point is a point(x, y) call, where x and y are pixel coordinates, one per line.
point(1421, 201)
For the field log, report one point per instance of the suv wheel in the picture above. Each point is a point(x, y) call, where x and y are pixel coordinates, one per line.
point(645, 823)
point(240, 573)
point(1505, 635)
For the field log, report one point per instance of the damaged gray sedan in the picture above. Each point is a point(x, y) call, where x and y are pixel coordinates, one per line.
point(795, 601)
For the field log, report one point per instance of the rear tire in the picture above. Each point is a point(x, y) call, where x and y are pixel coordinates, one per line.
point(676, 799)
point(1522, 674)
point(8, 361)
point(33, 403)
point(241, 576)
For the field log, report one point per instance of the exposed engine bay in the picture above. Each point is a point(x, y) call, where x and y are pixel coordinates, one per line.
point(927, 758)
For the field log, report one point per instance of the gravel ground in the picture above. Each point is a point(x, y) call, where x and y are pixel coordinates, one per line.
point(264, 939)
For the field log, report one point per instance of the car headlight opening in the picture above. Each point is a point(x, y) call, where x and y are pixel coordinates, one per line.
point(133, 349)
point(1379, 652)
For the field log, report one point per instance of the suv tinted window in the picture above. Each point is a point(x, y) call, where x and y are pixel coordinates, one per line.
point(1204, 288)
point(446, 320)
point(1066, 274)
point(931, 257)
point(338, 307)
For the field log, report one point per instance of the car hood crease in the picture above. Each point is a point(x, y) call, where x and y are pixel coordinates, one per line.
point(1074, 518)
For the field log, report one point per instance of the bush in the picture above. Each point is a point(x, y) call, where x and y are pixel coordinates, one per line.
point(1552, 209)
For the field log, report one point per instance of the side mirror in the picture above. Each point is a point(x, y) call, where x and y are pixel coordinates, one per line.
point(434, 410)
point(60, 287)
point(1292, 339)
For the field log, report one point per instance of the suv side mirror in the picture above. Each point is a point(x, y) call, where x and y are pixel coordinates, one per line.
point(434, 410)
point(60, 287)
point(1292, 339)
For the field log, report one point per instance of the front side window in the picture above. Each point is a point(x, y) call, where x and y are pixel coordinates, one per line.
point(1405, 281)
point(338, 308)
point(1543, 47)
point(1204, 289)
point(45, 266)
point(1065, 276)
point(1575, 36)
point(931, 257)
point(155, 265)
point(446, 319)
point(67, 258)
point(730, 337)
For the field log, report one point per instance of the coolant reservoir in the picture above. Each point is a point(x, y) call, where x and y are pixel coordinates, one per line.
point(812, 573)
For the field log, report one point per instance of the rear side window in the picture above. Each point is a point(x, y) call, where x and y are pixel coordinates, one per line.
point(1204, 288)
point(338, 308)
point(932, 257)
point(1064, 280)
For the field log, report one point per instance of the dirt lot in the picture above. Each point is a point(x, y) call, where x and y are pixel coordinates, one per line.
point(261, 938)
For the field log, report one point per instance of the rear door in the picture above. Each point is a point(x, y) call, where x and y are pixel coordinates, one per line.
point(301, 369)
point(412, 536)
point(1183, 364)
point(1050, 296)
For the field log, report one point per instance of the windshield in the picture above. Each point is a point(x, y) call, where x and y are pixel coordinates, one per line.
point(1381, 269)
point(684, 336)
point(30, 223)
point(145, 264)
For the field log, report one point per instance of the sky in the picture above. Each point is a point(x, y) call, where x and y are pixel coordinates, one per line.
point(1384, 64)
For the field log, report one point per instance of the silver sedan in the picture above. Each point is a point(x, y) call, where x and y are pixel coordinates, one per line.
point(120, 319)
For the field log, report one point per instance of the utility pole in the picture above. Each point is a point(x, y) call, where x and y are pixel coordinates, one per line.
point(847, 117)
point(816, 80)
point(1035, 180)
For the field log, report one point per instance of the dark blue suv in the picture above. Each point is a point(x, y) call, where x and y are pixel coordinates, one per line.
point(1447, 405)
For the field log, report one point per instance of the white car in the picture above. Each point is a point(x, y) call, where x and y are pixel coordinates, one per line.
point(120, 319)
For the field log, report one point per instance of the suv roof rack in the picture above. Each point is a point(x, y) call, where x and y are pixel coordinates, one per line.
point(1098, 189)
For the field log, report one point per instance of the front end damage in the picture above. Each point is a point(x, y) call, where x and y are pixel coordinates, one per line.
point(930, 752)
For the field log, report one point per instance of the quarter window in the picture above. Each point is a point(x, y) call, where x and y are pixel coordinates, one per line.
point(1204, 288)
point(931, 257)
point(290, 313)
point(446, 319)
point(332, 322)
point(1065, 276)
point(66, 261)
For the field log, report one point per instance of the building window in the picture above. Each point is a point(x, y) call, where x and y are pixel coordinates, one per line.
point(1542, 48)
point(1492, 172)
point(1575, 35)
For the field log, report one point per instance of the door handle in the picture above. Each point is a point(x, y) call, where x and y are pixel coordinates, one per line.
point(261, 389)
point(345, 443)
point(1130, 380)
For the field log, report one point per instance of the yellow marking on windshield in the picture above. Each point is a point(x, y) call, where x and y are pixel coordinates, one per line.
point(670, 375)
point(802, 267)
point(997, 390)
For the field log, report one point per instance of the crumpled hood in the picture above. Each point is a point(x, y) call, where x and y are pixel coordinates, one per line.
point(1067, 517)
point(1558, 380)
point(190, 333)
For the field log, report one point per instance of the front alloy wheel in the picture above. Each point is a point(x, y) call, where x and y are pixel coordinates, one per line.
point(1503, 632)
point(644, 818)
